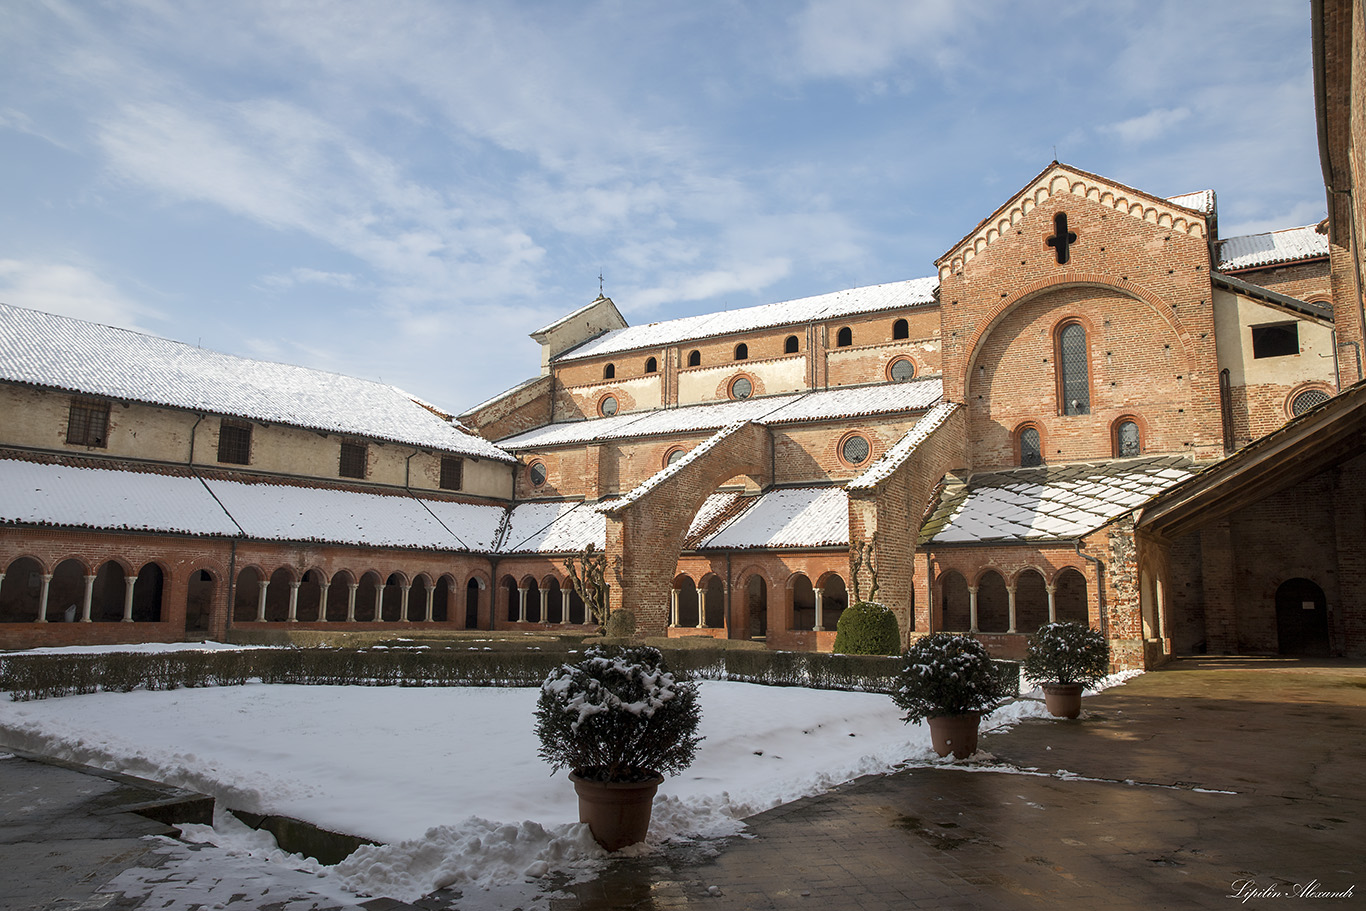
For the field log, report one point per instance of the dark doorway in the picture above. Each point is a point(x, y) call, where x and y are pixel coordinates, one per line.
point(472, 604)
point(1302, 619)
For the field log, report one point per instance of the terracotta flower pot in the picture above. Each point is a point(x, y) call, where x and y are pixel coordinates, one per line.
point(617, 812)
point(1063, 699)
point(955, 733)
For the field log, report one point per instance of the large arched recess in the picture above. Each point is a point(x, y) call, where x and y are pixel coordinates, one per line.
point(1012, 373)
point(646, 528)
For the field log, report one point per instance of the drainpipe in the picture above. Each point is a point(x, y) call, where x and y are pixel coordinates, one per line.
point(408, 472)
point(1100, 587)
point(190, 460)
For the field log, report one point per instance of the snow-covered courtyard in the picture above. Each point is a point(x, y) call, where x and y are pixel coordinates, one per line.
point(449, 778)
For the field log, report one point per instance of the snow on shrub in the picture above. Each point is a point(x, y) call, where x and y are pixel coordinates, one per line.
point(946, 674)
point(1067, 652)
point(618, 716)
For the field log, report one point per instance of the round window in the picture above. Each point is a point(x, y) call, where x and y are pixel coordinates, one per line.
point(674, 455)
point(536, 472)
point(608, 405)
point(903, 369)
point(742, 388)
point(855, 450)
point(1306, 400)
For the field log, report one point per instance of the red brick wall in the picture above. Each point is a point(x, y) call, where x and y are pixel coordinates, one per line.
point(1303, 281)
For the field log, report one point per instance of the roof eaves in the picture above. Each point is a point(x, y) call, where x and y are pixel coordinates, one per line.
point(1318, 311)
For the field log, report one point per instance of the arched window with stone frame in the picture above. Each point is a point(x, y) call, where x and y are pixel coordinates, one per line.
point(1074, 374)
point(1127, 437)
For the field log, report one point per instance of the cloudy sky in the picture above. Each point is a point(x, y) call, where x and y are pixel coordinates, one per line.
point(402, 190)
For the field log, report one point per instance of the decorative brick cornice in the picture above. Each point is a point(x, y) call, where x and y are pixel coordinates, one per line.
point(1058, 179)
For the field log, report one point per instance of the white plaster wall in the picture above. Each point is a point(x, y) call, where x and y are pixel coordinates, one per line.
point(1234, 317)
point(708, 384)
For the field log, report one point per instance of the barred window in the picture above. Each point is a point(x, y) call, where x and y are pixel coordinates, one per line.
point(88, 422)
point(1072, 361)
point(353, 460)
point(234, 443)
point(902, 369)
point(855, 449)
point(452, 472)
point(1306, 400)
point(1031, 448)
point(608, 406)
point(742, 388)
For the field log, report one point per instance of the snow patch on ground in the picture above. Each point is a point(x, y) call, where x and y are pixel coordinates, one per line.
point(142, 648)
point(440, 774)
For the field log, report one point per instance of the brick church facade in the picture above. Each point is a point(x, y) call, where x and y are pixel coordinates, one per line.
point(1097, 408)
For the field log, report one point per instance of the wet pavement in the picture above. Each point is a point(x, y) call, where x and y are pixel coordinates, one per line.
point(1213, 783)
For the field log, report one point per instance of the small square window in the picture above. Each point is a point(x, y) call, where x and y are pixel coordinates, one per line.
point(353, 459)
point(1279, 340)
point(88, 422)
point(452, 472)
point(234, 443)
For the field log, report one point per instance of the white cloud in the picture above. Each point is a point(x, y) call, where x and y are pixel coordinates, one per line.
point(70, 291)
point(1150, 126)
point(859, 38)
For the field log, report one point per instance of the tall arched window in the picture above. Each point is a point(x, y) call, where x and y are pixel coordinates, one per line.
point(1031, 446)
point(790, 346)
point(609, 372)
point(651, 365)
point(1128, 439)
point(901, 329)
point(844, 338)
point(1073, 383)
point(741, 351)
point(695, 359)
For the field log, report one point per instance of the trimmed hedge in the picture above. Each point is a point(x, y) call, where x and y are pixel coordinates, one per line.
point(27, 677)
point(867, 628)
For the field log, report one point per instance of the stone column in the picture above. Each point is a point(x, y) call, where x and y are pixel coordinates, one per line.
point(322, 601)
point(379, 603)
point(431, 603)
point(972, 609)
point(1010, 594)
point(673, 607)
point(351, 602)
point(564, 606)
point(701, 608)
point(86, 600)
point(545, 605)
point(128, 584)
point(261, 600)
point(294, 601)
point(521, 605)
point(403, 602)
point(820, 609)
point(42, 598)
point(1052, 603)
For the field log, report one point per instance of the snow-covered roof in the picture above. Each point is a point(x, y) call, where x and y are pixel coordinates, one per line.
point(829, 404)
point(42, 349)
point(1254, 250)
point(35, 493)
point(41, 493)
point(1201, 201)
point(893, 458)
point(793, 517)
point(1050, 502)
point(554, 528)
point(872, 299)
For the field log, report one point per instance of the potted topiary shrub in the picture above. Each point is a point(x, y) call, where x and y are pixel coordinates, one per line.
point(620, 722)
point(1066, 658)
point(948, 681)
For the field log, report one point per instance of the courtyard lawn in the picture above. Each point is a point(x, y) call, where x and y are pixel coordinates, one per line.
point(449, 779)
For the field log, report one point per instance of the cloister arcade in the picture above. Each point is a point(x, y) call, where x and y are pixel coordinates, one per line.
point(75, 592)
point(1018, 603)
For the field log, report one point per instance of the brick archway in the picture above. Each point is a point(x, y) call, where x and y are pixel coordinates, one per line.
point(646, 528)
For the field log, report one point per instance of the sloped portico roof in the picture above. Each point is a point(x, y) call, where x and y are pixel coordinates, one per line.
point(1319, 439)
point(1048, 503)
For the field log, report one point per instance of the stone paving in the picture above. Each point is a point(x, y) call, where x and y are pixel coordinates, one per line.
point(1169, 792)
